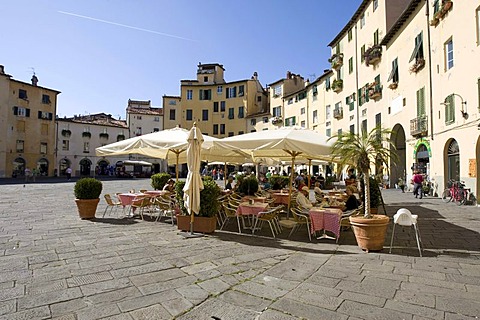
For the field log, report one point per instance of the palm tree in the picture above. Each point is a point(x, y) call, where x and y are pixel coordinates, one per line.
point(363, 150)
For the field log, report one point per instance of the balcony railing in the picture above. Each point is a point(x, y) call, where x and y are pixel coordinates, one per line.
point(375, 91)
point(337, 85)
point(338, 113)
point(419, 126)
point(336, 60)
point(373, 55)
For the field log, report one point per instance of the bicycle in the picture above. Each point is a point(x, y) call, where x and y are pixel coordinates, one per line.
point(456, 192)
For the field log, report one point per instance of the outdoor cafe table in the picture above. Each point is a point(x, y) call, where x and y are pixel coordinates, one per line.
point(247, 209)
point(156, 193)
point(280, 197)
point(255, 199)
point(326, 219)
point(127, 198)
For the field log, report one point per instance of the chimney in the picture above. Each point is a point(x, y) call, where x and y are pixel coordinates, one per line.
point(34, 80)
point(289, 75)
point(2, 69)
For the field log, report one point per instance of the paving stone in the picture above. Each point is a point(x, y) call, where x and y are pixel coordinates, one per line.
point(363, 298)
point(177, 306)
point(382, 288)
point(115, 296)
point(157, 276)
point(153, 312)
point(464, 307)
point(439, 283)
point(315, 296)
point(193, 293)
point(66, 317)
point(167, 285)
point(7, 307)
point(12, 293)
point(103, 286)
point(89, 278)
point(422, 299)
point(299, 309)
point(42, 287)
point(220, 309)
point(270, 281)
point(414, 309)
point(245, 300)
point(214, 286)
point(275, 315)
point(261, 290)
point(372, 313)
point(68, 307)
point(47, 298)
point(97, 312)
point(34, 313)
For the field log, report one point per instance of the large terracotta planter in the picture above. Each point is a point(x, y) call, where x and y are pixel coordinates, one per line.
point(200, 224)
point(87, 207)
point(370, 233)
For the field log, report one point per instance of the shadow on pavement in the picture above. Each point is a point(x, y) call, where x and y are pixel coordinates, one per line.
point(114, 221)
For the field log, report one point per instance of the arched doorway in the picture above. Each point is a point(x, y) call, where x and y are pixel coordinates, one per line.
point(398, 170)
point(18, 167)
point(453, 161)
point(85, 165)
point(103, 167)
point(42, 166)
point(422, 155)
point(64, 164)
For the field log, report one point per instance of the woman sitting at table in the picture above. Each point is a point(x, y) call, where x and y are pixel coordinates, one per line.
point(352, 202)
point(302, 199)
point(229, 186)
point(169, 186)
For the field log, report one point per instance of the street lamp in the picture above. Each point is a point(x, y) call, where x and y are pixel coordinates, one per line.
point(463, 108)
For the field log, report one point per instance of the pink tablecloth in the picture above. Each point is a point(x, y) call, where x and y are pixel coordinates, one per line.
point(280, 198)
point(156, 192)
point(246, 209)
point(326, 219)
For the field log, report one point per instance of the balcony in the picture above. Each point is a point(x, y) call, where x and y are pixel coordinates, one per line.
point(418, 65)
point(441, 11)
point(276, 120)
point(336, 61)
point(373, 55)
point(338, 113)
point(419, 126)
point(337, 85)
point(375, 91)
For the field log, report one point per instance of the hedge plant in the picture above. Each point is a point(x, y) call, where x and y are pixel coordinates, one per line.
point(159, 180)
point(88, 188)
point(209, 204)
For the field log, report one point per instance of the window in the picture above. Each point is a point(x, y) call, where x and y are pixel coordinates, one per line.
point(290, 101)
point(315, 116)
point(328, 112)
point(477, 15)
point(259, 99)
point(241, 90)
point(46, 99)
point(350, 65)
point(43, 147)
point(277, 111)
point(350, 36)
point(205, 79)
point(222, 106)
point(20, 145)
point(378, 119)
point(394, 73)
point(350, 101)
point(172, 102)
point(241, 112)
point(362, 53)
point(253, 122)
point(277, 91)
point(352, 128)
point(302, 110)
point(222, 129)
point(219, 90)
point(44, 129)
point(156, 129)
point(45, 115)
point(449, 109)
point(205, 94)
point(215, 129)
point(231, 92)
point(265, 119)
point(22, 94)
point(231, 113)
point(364, 125)
point(240, 132)
point(375, 5)
point(421, 102)
point(138, 131)
point(215, 107)
point(339, 132)
point(362, 21)
point(314, 90)
point(230, 134)
point(290, 122)
point(327, 84)
point(328, 132)
point(172, 114)
point(417, 53)
point(204, 115)
point(436, 6)
point(21, 112)
point(302, 95)
point(375, 38)
point(65, 145)
point(189, 115)
point(449, 54)
point(139, 117)
point(86, 146)
point(189, 94)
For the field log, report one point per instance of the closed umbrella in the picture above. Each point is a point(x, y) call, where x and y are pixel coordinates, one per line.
point(193, 184)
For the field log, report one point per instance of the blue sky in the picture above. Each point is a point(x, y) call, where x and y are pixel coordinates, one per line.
point(100, 53)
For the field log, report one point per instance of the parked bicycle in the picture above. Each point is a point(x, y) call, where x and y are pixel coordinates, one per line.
point(456, 192)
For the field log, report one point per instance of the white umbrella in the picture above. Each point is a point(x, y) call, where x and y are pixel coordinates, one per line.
point(194, 183)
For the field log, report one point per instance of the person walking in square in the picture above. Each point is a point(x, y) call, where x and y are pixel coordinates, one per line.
point(417, 184)
point(68, 172)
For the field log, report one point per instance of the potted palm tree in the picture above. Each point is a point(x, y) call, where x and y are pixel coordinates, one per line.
point(363, 151)
point(87, 193)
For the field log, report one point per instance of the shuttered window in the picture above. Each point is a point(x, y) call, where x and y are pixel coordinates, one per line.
point(450, 109)
point(421, 102)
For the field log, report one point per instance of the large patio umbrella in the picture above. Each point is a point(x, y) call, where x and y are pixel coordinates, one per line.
point(193, 184)
point(169, 144)
point(290, 143)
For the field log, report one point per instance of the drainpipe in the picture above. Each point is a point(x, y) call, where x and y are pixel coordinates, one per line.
point(430, 80)
point(356, 79)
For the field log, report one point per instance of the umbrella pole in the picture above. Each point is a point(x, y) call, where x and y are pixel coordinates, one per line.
point(309, 172)
point(290, 187)
point(225, 175)
point(176, 166)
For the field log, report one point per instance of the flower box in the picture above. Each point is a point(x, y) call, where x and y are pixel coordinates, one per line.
point(419, 64)
point(200, 224)
point(393, 85)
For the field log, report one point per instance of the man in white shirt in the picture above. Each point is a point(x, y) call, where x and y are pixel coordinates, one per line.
point(302, 199)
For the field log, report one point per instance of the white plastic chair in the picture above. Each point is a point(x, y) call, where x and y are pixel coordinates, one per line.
point(405, 218)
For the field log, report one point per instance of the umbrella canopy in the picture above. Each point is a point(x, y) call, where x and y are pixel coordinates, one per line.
point(193, 184)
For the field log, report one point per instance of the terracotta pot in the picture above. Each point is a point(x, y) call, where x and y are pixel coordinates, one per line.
point(370, 232)
point(87, 207)
point(200, 224)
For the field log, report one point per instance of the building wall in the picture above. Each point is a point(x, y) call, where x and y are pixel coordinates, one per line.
point(172, 107)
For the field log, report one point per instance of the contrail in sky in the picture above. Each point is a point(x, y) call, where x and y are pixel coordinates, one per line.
point(125, 26)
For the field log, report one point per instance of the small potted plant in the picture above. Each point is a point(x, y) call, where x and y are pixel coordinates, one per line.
point(206, 220)
point(87, 193)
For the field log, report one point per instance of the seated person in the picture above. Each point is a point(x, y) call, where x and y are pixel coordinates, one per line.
point(169, 186)
point(318, 192)
point(301, 184)
point(229, 186)
point(303, 199)
point(352, 202)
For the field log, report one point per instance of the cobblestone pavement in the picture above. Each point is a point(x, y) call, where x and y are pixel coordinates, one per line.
point(54, 265)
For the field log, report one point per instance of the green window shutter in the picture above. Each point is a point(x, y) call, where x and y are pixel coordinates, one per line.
point(421, 102)
point(450, 109)
point(365, 90)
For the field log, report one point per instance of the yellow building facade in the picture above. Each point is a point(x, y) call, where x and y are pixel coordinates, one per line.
point(27, 125)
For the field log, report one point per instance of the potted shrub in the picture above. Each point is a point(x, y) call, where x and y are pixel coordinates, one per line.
point(87, 193)
point(363, 151)
point(206, 220)
point(159, 180)
point(375, 195)
point(247, 185)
